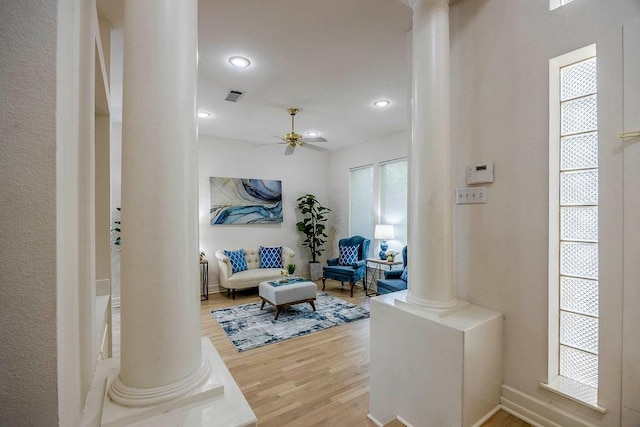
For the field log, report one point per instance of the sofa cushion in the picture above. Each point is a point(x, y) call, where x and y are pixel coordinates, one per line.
point(270, 257)
point(238, 263)
point(348, 255)
point(385, 286)
point(252, 277)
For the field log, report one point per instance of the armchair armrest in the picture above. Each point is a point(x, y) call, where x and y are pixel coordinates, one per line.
point(359, 264)
point(392, 274)
point(332, 261)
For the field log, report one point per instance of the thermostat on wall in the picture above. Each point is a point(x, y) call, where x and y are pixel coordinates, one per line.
point(480, 174)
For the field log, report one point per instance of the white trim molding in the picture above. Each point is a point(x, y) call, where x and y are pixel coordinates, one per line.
point(537, 412)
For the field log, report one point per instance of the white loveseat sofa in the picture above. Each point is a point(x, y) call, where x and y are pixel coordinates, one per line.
point(254, 274)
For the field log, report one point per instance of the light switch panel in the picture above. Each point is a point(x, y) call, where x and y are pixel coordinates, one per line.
point(471, 195)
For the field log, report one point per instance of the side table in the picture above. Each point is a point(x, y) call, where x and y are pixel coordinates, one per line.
point(204, 279)
point(376, 273)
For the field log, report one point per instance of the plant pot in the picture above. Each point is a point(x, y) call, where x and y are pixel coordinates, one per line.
point(315, 271)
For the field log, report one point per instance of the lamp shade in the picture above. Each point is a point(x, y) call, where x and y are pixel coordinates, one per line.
point(383, 232)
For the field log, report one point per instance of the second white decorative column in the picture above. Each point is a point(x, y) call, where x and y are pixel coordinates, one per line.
point(430, 197)
point(161, 353)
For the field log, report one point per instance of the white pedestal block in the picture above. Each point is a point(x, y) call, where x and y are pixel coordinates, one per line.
point(219, 402)
point(433, 369)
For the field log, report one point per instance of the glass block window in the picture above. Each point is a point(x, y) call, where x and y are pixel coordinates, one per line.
point(577, 213)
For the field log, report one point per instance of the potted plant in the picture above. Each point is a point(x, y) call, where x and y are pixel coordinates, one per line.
point(291, 268)
point(313, 227)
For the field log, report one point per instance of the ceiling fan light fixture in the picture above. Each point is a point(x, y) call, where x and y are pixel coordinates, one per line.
point(204, 114)
point(381, 103)
point(239, 61)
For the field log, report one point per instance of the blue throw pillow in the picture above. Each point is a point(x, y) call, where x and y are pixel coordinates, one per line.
point(348, 255)
point(405, 274)
point(271, 257)
point(238, 263)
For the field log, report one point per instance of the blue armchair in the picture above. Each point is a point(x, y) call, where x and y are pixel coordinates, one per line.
point(348, 273)
point(393, 281)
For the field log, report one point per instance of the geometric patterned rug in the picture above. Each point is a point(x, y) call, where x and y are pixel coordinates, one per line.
point(249, 327)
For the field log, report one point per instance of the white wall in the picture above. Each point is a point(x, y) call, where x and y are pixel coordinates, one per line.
point(372, 152)
point(305, 171)
point(500, 51)
point(29, 373)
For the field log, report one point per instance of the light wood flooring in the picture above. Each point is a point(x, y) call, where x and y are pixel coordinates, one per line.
point(321, 379)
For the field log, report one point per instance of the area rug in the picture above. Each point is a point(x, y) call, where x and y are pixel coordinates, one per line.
point(249, 327)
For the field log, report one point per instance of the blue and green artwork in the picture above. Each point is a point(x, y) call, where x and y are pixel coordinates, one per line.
point(245, 201)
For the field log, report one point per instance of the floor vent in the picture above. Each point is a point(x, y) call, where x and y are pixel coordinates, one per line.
point(234, 95)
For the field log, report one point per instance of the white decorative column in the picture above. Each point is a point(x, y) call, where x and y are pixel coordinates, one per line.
point(161, 350)
point(430, 192)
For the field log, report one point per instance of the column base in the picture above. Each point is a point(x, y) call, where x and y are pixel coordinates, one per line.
point(217, 402)
point(124, 395)
point(439, 308)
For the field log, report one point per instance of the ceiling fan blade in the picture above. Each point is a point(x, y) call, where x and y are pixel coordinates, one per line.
point(266, 143)
point(289, 150)
point(276, 136)
point(317, 139)
point(314, 147)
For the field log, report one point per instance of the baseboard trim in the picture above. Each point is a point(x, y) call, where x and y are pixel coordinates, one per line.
point(536, 411)
point(489, 414)
point(373, 419)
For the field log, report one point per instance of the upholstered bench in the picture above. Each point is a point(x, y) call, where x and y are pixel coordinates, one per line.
point(280, 295)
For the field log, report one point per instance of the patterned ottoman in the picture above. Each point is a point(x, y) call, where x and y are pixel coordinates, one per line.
point(281, 294)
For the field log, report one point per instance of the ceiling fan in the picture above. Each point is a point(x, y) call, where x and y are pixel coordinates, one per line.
point(293, 139)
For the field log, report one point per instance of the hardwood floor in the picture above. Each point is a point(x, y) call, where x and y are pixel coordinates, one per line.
point(321, 379)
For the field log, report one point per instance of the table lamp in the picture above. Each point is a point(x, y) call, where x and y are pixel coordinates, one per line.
point(383, 232)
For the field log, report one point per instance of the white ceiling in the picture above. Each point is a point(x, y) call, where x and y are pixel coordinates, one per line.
point(330, 58)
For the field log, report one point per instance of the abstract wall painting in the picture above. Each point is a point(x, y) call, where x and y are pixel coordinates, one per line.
point(245, 201)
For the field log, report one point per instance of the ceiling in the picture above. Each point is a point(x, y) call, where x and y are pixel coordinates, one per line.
point(329, 58)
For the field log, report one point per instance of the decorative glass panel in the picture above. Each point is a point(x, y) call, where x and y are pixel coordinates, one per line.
point(579, 259)
point(579, 331)
point(579, 151)
point(579, 366)
point(579, 224)
point(578, 80)
point(578, 116)
point(579, 295)
point(579, 188)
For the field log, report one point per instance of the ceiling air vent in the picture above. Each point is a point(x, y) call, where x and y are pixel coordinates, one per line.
point(234, 95)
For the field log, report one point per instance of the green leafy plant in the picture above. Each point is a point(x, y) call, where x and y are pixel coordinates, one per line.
point(313, 224)
point(116, 229)
point(291, 268)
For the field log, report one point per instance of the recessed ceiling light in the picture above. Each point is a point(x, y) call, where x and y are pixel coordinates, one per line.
point(381, 103)
point(204, 114)
point(313, 133)
point(239, 61)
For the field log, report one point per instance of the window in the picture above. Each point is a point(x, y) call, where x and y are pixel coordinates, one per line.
point(361, 219)
point(573, 226)
point(378, 195)
point(393, 198)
